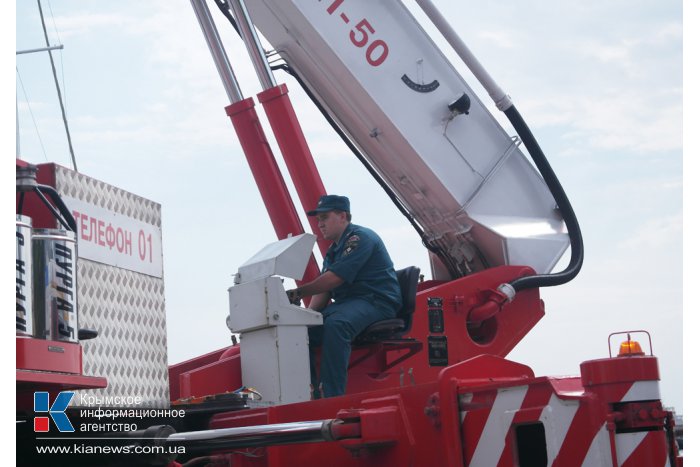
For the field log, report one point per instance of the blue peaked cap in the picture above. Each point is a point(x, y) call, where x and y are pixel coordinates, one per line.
point(331, 203)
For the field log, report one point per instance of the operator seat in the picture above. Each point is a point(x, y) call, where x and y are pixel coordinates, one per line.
point(395, 328)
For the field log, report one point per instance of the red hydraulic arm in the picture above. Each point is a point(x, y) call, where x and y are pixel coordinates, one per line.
point(266, 173)
point(295, 151)
point(268, 177)
point(284, 121)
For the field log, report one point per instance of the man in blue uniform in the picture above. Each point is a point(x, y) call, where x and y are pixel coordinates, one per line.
point(358, 276)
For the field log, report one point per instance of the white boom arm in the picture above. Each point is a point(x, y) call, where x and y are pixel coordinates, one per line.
point(462, 177)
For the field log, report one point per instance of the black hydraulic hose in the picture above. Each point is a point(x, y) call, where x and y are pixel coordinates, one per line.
point(223, 7)
point(550, 178)
point(20, 203)
point(69, 221)
point(53, 211)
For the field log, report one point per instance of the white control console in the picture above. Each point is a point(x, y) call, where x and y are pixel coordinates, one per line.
point(273, 333)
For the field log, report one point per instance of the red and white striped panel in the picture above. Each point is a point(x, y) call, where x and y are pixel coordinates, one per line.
point(485, 429)
point(556, 418)
point(642, 391)
point(575, 433)
point(599, 451)
point(643, 448)
point(493, 437)
point(587, 441)
point(646, 449)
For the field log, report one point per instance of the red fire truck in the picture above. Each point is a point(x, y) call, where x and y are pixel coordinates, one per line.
point(430, 387)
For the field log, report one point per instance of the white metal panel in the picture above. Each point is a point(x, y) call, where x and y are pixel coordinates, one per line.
point(248, 307)
point(127, 308)
point(273, 333)
point(260, 363)
point(287, 257)
point(275, 361)
point(452, 172)
point(643, 391)
point(263, 303)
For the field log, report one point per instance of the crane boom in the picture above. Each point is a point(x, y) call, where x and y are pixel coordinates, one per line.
point(463, 179)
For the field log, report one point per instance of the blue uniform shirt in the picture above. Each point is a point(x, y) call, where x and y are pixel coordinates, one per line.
point(361, 260)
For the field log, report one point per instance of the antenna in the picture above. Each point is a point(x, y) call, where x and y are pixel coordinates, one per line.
point(58, 88)
point(20, 52)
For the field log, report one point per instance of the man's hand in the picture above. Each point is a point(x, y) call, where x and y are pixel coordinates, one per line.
point(294, 297)
point(321, 286)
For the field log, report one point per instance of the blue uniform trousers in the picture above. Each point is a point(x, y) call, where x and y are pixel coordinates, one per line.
point(342, 322)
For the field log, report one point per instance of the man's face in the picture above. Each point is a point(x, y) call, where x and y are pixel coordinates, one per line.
point(332, 224)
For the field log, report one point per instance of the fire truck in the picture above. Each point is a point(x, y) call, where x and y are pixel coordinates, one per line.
point(430, 387)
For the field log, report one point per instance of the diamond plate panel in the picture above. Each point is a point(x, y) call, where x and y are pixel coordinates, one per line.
point(126, 308)
point(90, 190)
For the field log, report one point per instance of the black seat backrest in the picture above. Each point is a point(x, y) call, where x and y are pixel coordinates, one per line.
point(408, 282)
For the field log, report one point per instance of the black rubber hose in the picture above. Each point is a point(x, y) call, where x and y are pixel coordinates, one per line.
point(223, 6)
point(550, 178)
point(20, 204)
point(69, 221)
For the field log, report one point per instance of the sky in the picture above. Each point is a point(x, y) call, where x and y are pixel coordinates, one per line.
point(600, 83)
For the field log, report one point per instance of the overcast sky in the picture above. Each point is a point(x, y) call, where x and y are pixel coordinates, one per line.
point(599, 83)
